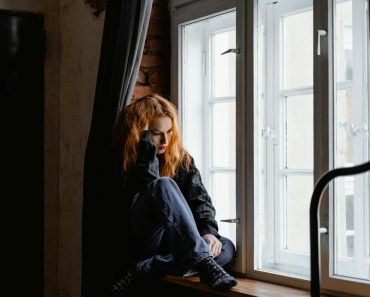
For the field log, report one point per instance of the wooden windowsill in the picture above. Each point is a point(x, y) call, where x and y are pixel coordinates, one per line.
point(244, 288)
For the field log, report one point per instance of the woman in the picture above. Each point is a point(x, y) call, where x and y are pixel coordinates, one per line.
point(171, 216)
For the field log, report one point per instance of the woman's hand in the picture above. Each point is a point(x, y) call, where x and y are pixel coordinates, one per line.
point(146, 150)
point(214, 244)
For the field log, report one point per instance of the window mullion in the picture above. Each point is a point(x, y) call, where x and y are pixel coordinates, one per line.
point(222, 169)
point(296, 91)
point(207, 114)
point(297, 172)
point(214, 100)
point(271, 182)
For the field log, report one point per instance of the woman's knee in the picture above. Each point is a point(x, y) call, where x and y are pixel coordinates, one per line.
point(164, 185)
point(164, 181)
point(228, 253)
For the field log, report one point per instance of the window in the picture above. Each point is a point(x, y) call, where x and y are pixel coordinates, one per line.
point(207, 60)
point(349, 218)
point(265, 120)
point(208, 108)
point(284, 136)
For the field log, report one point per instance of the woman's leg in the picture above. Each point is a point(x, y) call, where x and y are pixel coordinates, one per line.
point(161, 220)
point(227, 255)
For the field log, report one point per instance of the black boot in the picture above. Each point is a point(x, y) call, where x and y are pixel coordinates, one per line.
point(214, 275)
point(121, 287)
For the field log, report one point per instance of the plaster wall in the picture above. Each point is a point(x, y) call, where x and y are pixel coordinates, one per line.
point(50, 10)
point(80, 33)
point(73, 39)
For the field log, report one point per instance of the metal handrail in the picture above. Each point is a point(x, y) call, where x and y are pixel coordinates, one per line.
point(314, 218)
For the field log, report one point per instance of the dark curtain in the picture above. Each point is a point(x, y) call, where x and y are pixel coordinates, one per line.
point(105, 247)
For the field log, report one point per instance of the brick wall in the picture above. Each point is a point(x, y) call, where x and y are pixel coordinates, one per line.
point(154, 75)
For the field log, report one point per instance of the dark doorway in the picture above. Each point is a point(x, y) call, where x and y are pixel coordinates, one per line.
point(22, 153)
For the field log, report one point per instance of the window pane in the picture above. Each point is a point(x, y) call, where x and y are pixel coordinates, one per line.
point(298, 44)
point(223, 197)
point(208, 122)
point(299, 132)
point(223, 136)
point(224, 73)
point(344, 40)
point(352, 223)
point(351, 257)
point(345, 129)
point(198, 71)
point(192, 91)
point(299, 191)
point(284, 136)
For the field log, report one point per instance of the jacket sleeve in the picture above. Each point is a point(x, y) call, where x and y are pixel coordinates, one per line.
point(199, 202)
point(146, 168)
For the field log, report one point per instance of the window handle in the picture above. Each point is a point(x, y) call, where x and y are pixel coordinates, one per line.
point(232, 50)
point(235, 221)
point(320, 33)
point(323, 230)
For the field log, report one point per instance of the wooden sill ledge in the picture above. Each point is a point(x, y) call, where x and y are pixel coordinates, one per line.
point(244, 288)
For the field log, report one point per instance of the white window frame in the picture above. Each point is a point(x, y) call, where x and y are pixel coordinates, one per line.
point(330, 282)
point(275, 113)
point(209, 100)
point(276, 147)
point(186, 12)
point(360, 110)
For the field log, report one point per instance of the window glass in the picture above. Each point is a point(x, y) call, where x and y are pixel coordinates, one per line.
point(223, 194)
point(223, 142)
point(299, 132)
point(284, 131)
point(298, 199)
point(351, 141)
point(224, 65)
point(297, 52)
point(344, 40)
point(208, 109)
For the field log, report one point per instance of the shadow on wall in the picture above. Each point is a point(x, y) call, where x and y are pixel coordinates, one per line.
point(97, 5)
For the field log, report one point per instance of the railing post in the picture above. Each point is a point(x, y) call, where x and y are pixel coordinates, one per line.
point(314, 219)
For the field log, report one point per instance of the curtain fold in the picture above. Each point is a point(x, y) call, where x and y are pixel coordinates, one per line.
point(104, 244)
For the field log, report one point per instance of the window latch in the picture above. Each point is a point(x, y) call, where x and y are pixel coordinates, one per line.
point(232, 50)
point(235, 221)
point(323, 230)
point(320, 33)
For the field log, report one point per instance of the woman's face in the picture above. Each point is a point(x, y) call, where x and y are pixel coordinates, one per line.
point(161, 129)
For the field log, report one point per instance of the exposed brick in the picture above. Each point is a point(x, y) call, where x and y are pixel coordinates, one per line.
point(160, 11)
point(161, 3)
point(159, 78)
point(142, 77)
point(154, 61)
point(146, 47)
point(158, 45)
point(141, 91)
point(158, 29)
point(154, 75)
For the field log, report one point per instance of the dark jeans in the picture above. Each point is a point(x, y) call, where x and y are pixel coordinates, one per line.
point(165, 235)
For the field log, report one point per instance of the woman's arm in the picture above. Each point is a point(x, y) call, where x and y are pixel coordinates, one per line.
point(190, 184)
point(146, 168)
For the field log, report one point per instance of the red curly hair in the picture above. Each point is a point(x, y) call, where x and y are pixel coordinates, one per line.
point(138, 115)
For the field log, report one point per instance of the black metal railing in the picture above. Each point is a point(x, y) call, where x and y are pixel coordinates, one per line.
point(314, 219)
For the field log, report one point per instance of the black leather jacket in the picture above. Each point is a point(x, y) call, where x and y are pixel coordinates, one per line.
point(190, 184)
